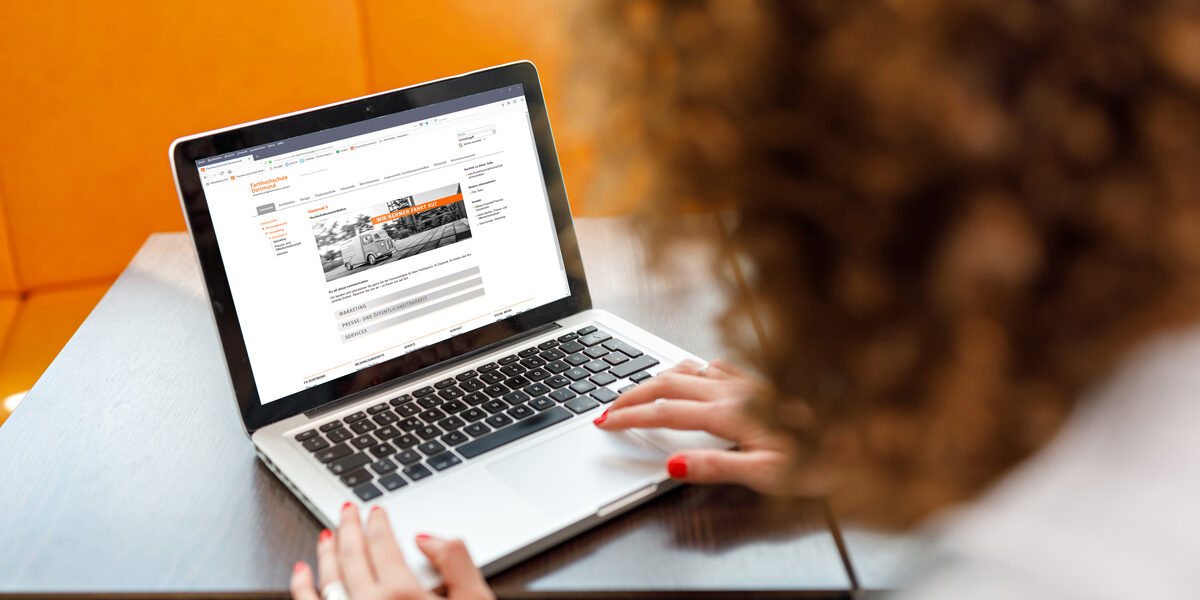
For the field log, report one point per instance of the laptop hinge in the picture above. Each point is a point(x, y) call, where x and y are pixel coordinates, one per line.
point(405, 379)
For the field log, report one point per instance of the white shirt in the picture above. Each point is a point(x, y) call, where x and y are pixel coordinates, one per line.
point(1110, 509)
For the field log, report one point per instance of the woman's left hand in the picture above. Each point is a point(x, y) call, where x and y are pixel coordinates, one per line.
point(371, 566)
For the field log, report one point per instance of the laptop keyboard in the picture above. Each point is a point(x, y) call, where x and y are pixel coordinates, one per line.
point(433, 428)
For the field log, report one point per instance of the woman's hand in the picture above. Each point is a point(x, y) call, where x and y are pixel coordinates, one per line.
point(712, 400)
point(371, 567)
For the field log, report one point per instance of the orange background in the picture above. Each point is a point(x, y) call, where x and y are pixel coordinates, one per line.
point(95, 92)
point(412, 210)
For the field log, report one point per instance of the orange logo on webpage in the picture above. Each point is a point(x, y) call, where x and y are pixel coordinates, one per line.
point(266, 184)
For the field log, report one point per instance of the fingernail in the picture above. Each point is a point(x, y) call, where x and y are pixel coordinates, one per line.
point(346, 506)
point(299, 566)
point(422, 537)
point(325, 535)
point(600, 419)
point(376, 508)
point(677, 467)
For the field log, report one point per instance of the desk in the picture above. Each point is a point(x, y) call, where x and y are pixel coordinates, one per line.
point(126, 469)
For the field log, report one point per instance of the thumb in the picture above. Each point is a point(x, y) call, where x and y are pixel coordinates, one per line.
point(759, 470)
point(451, 559)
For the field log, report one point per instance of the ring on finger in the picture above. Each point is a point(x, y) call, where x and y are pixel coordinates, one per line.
point(334, 591)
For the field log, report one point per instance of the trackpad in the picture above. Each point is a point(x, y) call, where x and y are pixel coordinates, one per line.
point(581, 470)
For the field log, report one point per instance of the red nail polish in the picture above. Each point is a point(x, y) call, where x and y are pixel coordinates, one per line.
point(325, 535)
point(346, 506)
point(677, 467)
point(600, 419)
point(299, 566)
point(376, 508)
point(422, 537)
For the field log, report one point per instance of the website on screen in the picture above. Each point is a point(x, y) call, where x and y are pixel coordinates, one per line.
point(351, 246)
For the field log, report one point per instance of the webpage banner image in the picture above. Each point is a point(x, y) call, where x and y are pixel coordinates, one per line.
point(350, 240)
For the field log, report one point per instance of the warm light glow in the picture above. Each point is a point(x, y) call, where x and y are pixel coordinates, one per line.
point(11, 402)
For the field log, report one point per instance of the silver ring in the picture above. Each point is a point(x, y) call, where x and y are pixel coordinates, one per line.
point(334, 591)
point(702, 371)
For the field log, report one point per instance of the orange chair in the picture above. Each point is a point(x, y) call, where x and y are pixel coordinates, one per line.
point(96, 92)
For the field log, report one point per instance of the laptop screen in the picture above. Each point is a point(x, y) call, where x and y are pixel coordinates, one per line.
point(353, 245)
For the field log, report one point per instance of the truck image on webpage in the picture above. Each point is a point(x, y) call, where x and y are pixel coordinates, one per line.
point(366, 249)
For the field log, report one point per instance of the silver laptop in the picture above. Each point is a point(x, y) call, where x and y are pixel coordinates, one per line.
point(399, 295)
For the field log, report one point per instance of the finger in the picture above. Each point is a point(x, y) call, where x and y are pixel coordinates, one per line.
point(390, 566)
point(719, 367)
point(686, 366)
point(352, 554)
point(302, 585)
point(684, 415)
point(760, 470)
point(327, 562)
point(453, 562)
point(669, 385)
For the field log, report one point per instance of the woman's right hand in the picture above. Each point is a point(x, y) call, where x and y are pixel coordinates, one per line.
point(714, 399)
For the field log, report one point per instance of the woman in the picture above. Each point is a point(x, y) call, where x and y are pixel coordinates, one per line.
point(963, 222)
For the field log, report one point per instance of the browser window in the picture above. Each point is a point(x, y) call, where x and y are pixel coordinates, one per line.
point(347, 247)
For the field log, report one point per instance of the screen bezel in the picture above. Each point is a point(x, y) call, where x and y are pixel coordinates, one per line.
point(185, 152)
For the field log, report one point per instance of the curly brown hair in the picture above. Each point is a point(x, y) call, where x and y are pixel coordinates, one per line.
point(956, 215)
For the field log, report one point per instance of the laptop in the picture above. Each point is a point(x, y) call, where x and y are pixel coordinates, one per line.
point(401, 303)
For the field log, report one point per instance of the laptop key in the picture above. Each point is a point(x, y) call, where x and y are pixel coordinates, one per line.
point(443, 461)
point(520, 412)
point(512, 369)
point(521, 429)
point(557, 381)
point(385, 418)
point(472, 414)
point(407, 457)
point(352, 417)
point(515, 398)
point(392, 482)
point(537, 374)
point(604, 395)
point(498, 421)
point(432, 415)
point(548, 344)
point(429, 401)
point(596, 366)
point(476, 429)
point(582, 387)
point(450, 423)
point(428, 432)
point(330, 426)
point(572, 347)
point(516, 383)
point(348, 464)
point(454, 438)
point(306, 435)
point(425, 391)
point(567, 337)
point(640, 363)
point(586, 330)
point(447, 382)
point(494, 406)
point(487, 367)
point(576, 373)
point(495, 391)
point(581, 404)
point(552, 355)
point(378, 408)
point(408, 410)
point(451, 393)
point(542, 403)
point(530, 351)
point(367, 492)
point(475, 398)
point(363, 441)
point(596, 352)
point(339, 435)
point(431, 447)
point(491, 377)
point(357, 478)
point(362, 426)
point(417, 472)
point(508, 360)
point(387, 433)
point(334, 452)
point(602, 378)
point(406, 441)
point(315, 444)
point(532, 362)
point(537, 389)
point(562, 395)
point(594, 338)
point(640, 377)
point(616, 358)
point(454, 406)
point(557, 366)
point(627, 388)
point(398, 400)
point(472, 385)
point(577, 359)
point(465, 375)
point(383, 466)
point(382, 450)
point(410, 424)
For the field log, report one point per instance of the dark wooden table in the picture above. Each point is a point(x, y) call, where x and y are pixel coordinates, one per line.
point(126, 470)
